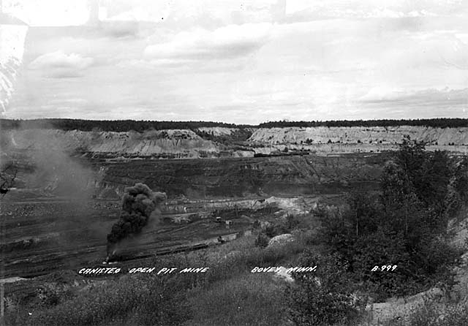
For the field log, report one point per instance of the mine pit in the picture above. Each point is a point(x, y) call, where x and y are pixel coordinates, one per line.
point(134, 210)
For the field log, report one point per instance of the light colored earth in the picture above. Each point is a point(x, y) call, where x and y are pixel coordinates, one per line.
point(186, 143)
point(390, 135)
point(12, 280)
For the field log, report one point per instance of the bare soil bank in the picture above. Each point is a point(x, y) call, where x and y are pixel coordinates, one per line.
point(224, 142)
point(256, 176)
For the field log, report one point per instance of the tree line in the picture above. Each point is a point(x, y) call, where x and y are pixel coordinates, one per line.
point(143, 125)
point(110, 125)
point(434, 123)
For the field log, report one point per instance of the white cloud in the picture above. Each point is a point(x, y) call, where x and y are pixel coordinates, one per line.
point(423, 103)
point(48, 12)
point(61, 65)
point(121, 29)
point(193, 12)
point(59, 59)
point(223, 58)
point(303, 10)
point(228, 42)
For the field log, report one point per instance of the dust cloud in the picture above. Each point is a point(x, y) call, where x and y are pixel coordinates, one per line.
point(53, 182)
point(48, 163)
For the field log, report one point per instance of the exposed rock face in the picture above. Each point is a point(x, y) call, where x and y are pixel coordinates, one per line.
point(273, 176)
point(183, 142)
point(218, 131)
point(354, 135)
point(280, 240)
point(121, 158)
point(292, 205)
point(356, 139)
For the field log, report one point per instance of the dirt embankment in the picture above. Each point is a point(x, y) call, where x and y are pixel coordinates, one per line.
point(358, 139)
point(222, 131)
point(240, 177)
point(180, 143)
point(230, 142)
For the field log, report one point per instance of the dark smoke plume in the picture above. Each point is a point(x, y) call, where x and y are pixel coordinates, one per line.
point(138, 204)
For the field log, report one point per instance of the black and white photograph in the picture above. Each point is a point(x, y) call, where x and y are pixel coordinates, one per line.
point(233, 163)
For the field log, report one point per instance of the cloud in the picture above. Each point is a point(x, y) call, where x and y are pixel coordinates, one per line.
point(425, 50)
point(48, 12)
point(426, 103)
point(61, 65)
point(423, 98)
point(121, 29)
point(318, 60)
point(59, 59)
point(233, 41)
point(182, 14)
point(305, 10)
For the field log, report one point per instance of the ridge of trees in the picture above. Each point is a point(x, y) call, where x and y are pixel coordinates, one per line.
point(111, 125)
point(142, 125)
point(434, 123)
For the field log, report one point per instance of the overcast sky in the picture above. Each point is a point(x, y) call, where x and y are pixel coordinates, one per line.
point(241, 61)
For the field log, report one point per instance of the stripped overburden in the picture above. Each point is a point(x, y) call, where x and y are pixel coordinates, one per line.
point(180, 141)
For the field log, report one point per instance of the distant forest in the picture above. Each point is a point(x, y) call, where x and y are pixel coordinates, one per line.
point(111, 125)
point(143, 125)
point(435, 123)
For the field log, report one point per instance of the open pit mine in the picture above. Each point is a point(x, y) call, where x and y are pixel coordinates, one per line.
point(71, 188)
point(82, 199)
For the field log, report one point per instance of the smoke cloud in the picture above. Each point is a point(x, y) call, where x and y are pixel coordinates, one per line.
point(52, 166)
point(57, 181)
point(139, 204)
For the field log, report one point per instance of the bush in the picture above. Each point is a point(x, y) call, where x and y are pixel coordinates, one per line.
point(292, 222)
point(323, 297)
point(405, 226)
point(262, 240)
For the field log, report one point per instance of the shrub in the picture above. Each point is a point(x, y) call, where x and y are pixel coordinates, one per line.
point(292, 222)
point(380, 249)
point(262, 240)
point(323, 297)
point(406, 225)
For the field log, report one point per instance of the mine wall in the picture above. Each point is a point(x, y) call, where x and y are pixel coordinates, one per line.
point(246, 177)
point(188, 144)
point(360, 135)
point(273, 161)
